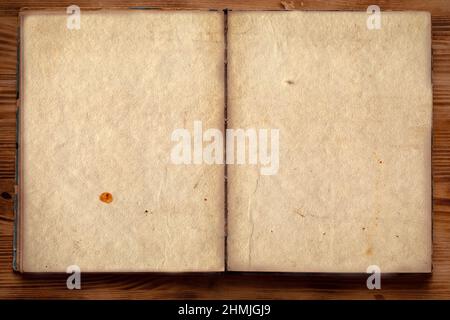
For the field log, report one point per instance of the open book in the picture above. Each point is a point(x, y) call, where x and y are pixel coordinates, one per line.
point(175, 141)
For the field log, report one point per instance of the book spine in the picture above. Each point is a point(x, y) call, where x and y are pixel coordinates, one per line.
point(16, 199)
point(16, 202)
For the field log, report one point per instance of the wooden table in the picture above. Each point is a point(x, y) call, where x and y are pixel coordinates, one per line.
point(232, 285)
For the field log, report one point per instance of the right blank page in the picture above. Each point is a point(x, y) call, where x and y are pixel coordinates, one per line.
point(354, 110)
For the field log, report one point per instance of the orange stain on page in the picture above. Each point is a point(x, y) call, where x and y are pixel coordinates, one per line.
point(106, 197)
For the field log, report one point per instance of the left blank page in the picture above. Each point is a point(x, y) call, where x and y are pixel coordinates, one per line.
point(98, 106)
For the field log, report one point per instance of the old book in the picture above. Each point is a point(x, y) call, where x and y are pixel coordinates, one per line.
point(320, 129)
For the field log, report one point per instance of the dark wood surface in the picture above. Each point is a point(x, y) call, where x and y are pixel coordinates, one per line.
point(232, 285)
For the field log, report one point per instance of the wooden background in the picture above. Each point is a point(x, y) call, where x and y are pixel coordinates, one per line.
point(232, 285)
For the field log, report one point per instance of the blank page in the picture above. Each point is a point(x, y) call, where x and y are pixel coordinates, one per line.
point(98, 107)
point(353, 107)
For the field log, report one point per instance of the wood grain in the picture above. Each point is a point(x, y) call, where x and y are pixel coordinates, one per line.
point(436, 7)
point(233, 285)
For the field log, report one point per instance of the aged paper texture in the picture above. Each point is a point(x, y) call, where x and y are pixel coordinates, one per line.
point(354, 110)
point(98, 107)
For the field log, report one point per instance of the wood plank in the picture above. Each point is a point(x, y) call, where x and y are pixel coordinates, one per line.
point(8, 47)
point(8, 66)
point(436, 7)
point(235, 285)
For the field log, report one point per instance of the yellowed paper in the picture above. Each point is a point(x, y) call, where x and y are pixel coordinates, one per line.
point(98, 189)
point(99, 104)
point(354, 109)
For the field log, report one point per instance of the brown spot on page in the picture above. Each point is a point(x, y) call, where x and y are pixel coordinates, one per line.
point(106, 197)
